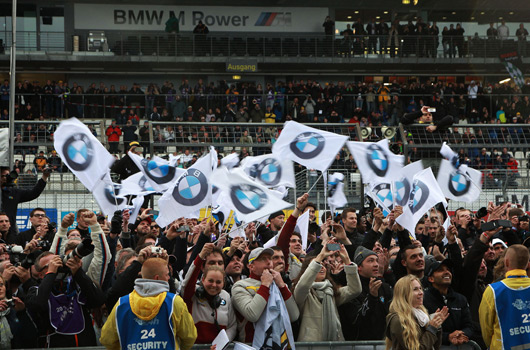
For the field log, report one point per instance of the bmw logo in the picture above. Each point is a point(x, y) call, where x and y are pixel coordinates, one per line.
point(248, 198)
point(384, 193)
point(402, 189)
point(78, 152)
point(144, 185)
point(269, 172)
point(307, 145)
point(111, 191)
point(458, 184)
point(191, 188)
point(377, 160)
point(159, 173)
point(418, 196)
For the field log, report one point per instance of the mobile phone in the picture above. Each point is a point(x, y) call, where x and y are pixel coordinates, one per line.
point(333, 246)
point(431, 110)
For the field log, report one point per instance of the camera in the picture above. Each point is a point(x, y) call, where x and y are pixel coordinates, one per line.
point(482, 212)
point(10, 302)
point(19, 259)
point(44, 244)
point(156, 250)
point(183, 228)
point(52, 226)
point(83, 249)
point(524, 218)
point(14, 249)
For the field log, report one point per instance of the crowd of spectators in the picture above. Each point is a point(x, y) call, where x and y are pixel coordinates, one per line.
point(330, 295)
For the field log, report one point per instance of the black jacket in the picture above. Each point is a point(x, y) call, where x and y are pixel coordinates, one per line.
point(459, 315)
point(125, 167)
point(12, 196)
point(365, 316)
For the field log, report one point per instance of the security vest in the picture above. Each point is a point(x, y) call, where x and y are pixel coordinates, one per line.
point(137, 334)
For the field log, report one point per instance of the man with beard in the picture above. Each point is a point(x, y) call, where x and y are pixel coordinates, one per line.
point(366, 314)
point(5, 225)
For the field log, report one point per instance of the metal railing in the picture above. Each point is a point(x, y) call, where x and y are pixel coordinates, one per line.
point(133, 43)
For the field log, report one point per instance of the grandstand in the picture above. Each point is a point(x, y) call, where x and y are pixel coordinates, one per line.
point(178, 92)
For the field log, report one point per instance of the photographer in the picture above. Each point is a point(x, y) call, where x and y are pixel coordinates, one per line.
point(5, 233)
point(12, 196)
point(60, 305)
point(95, 264)
point(40, 230)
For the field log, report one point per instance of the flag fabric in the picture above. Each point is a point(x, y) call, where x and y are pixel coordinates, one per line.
point(313, 148)
point(402, 186)
point(514, 65)
point(424, 193)
point(159, 172)
point(375, 160)
point(335, 192)
point(107, 195)
point(270, 170)
point(82, 153)
point(273, 329)
point(136, 184)
point(191, 192)
point(249, 199)
point(134, 209)
point(230, 161)
point(4, 147)
point(460, 184)
point(381, 194)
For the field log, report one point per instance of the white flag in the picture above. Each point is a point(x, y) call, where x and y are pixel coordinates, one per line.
point(335, 193)
point(313, 148)
point(82, 153)
point(191, 192)
point(134, 209)
point(249, 199)
point(136, 184)
point(107, 194)
point(375, 161)
point(270, 170)
point(460, 184)
point(230, 161)
point(160, 174)
point(424, 194)
point(302, 227)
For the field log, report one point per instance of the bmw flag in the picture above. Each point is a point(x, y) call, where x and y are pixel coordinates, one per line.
point(313, 148)
point(375, 161)
point(335, 192)
point(191, 192)
point(424, 193)
point(249, 199)
point(136, 184)
point(459, 184)
point(269, 170)
point(108, 196)
point(158, 172)
point(82, 153)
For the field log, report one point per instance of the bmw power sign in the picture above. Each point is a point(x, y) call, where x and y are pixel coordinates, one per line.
point(191, 188)
point(248, 198)
point(269, 172)
point(159, 173)
point(418, 196)
point(78, 152)
point(377, 160)
point(307, 145)
point(458, 184)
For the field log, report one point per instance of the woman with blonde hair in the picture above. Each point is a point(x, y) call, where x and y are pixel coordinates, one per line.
point(408, 325)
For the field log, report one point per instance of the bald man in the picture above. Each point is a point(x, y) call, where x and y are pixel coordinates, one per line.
point(505, 308)
point(150, 317)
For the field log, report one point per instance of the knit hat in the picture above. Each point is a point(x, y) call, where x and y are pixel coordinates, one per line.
point(362, 253)
point(275, 214)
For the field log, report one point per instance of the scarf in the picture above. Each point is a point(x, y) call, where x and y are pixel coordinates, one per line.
point(330, 321)
point(421, 316)
point(5, 330)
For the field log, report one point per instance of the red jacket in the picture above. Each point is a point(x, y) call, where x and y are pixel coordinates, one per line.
point(113, 133)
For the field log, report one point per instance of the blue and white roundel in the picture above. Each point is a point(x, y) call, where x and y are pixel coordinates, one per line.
point(158, 172)
point(402, 189)
point(78, 152)
point(377, 160)
point(191, 188)
point(144, 184)
point(269, 172)
point(307, 145)
point(419, 196)
point(247, 198)
point(458, 184)
point(111, 191)
point(384, 193)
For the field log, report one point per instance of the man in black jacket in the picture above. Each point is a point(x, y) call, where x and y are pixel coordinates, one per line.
point(12, 196)
point(457, 329)
point(365, 315)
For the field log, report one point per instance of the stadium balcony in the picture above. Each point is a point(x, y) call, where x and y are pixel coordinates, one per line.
point(295, 52)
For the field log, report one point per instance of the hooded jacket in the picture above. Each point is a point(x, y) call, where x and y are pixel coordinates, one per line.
point(145, 302)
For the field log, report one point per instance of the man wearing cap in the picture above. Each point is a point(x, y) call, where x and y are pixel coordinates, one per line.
point(365, 316)
point(126, 167)
point(457, 329)
point(498, 246)
point(276, 221)
point(504, 310)
point(250, 295)
point(113, 133)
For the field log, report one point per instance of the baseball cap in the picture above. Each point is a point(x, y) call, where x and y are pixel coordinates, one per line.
point(437, 264)
point(134, 143)
point(362, 253)
point(256, 253)
point(497, 241)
